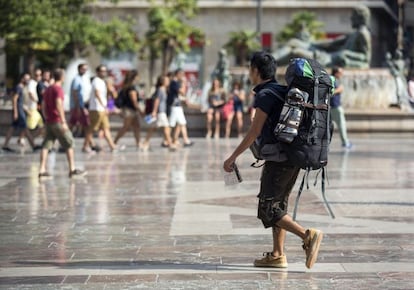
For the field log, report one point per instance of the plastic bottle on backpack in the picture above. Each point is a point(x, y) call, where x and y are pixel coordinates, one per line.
point(290, 117)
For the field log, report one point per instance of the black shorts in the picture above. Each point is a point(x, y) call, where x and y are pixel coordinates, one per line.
point(277, 181)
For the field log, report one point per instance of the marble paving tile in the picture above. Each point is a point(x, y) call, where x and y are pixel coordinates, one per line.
point(165, 220)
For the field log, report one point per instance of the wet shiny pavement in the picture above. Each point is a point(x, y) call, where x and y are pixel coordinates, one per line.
point(165, 220)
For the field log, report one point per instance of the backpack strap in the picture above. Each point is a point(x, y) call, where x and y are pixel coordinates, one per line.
point(272, 93)
point(317, 107)
point(302, 184)
point(295, 209)
point(324, 173)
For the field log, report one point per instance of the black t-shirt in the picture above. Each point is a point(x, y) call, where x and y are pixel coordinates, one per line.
point(40, 88)
point(127, 99)
point(173, 93)
point(269, 103)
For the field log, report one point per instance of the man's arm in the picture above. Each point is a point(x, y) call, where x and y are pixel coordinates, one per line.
point(61, 112)
point(44, 109)
point(133, 96)
point(15, 113)
point(338, 90)
point(253, 132)
point(98, 97)
point(155, 106)
point(75, 95)
point(32, 91)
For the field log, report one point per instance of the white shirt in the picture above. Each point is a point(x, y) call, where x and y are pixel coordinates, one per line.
point(99, 85)
point(31, 87)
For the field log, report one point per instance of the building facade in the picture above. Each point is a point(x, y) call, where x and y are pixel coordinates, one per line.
point(217, 18)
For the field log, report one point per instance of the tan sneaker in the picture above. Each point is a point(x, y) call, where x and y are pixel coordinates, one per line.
point(311, 246)
point(270, 261)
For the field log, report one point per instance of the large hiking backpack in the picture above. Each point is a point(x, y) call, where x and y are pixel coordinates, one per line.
point(305, 126)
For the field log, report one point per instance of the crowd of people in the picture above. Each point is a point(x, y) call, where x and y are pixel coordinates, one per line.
point(89, 111)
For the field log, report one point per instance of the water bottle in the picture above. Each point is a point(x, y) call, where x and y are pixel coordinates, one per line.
point(287, 128)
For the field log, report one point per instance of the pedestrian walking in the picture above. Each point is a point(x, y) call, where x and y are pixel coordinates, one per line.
point(98, 111)
point(19, 117)
point(79, 115)
point(57, 128)
point(175, 100)
point(337, 111)
point(131, 112)
point(278, 177)
point(159, 113)
point(34, 118)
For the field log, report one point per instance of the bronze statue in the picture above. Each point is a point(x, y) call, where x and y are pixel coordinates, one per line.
point(353, 50)
point(221, 71)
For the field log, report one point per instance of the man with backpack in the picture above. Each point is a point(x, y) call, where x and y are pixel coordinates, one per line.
point(278, 175)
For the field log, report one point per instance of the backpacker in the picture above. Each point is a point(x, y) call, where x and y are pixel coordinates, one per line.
point(305, 127)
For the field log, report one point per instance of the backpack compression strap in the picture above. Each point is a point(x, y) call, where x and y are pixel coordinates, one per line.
point(302, 184)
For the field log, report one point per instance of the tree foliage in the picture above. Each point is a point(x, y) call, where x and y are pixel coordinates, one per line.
point(303, 25)
point(241, 44)
point(60, 28)
point(168, 33)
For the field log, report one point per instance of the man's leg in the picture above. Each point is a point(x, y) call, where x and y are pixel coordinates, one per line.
point(108, 137)
point(342, 127)
point(277, 181)
point(339, 118)
point(279, 236)
point(71, 159)
point(43, 160)
point(29, 137)
point(312, 238)
point(88, 140)
point(125, 127)
point(288, 224)
point(177, 132)
point(8, 137)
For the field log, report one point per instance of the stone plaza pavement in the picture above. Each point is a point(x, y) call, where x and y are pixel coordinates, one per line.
point(165, 220)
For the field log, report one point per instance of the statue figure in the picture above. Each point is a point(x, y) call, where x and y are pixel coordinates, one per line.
point(221, 71)
point(396, 66)
point(353, 50)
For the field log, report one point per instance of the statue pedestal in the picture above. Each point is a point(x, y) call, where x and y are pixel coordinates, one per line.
point(364, 89)
point(368, 89)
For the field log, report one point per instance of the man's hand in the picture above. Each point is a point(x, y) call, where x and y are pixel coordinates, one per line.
point(65, 127)
point(228, 165)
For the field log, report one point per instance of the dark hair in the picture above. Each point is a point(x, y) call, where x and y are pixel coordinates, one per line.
point(99, 67)
point(129, 78)
point(160, 81)
point(58, 74)
point(81, 65)
point(177, 71)
point(21, 76)
point(265, 64)
point(335, 70)
point(236, 83)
